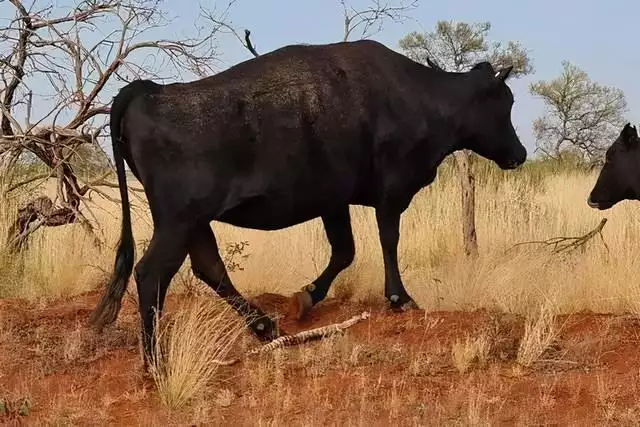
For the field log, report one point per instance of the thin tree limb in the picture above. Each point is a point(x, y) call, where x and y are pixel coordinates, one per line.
point(569, 244)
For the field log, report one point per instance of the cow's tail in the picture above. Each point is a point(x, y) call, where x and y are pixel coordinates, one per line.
point(108, 308)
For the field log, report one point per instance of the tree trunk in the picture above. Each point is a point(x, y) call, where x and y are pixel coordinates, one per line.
point(464, 161)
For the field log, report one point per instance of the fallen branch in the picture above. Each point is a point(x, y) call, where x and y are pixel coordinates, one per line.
point(299, 338)
point(568, 244)
point(42, 212)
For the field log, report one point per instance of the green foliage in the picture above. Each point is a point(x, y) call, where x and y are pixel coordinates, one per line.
point(582, 116)
point(23, 171)
point(459, 46)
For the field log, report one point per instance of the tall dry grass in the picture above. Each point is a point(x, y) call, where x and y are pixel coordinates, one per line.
point(539, 334)
point(539, 201)
point(187, 342)
point(61, 261)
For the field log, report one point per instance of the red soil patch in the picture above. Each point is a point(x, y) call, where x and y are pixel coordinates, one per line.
point(393, 369)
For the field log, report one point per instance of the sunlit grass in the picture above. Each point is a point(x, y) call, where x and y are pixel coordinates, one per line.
point(188, 342)
point(539, 201)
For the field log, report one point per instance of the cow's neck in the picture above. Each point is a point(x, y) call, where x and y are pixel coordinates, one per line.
point(447, 97)
point(448, 94)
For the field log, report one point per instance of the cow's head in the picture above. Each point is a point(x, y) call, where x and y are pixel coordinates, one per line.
point(485, 118)
point(619, 178)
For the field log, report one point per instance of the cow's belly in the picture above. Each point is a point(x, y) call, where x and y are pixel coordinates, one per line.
point(264, 213)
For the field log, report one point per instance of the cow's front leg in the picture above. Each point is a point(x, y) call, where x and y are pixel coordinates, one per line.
point(389, 231)
point(337, 226)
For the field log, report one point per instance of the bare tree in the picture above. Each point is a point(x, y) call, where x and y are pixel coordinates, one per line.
point(369, 19)
point(582, 116)
point(458, 47)
point(58, 67)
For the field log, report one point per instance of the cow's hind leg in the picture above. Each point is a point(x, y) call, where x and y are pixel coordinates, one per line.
point(340, 235)
point(209, 267)
point(161, 261)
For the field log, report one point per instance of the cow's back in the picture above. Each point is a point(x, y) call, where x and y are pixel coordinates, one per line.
point(291, 132)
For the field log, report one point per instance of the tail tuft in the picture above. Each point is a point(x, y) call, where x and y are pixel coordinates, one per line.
point(106, 312)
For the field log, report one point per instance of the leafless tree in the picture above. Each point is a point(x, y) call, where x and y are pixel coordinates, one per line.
point(59, 68)
point(582, 115)
point(369, 19)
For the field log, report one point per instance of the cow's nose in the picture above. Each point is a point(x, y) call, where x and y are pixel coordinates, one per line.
point(592, 204)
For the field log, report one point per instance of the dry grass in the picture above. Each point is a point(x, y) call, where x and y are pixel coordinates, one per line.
point(517, 206)
point(535, 203)
point(539, 333)
point(476, 411)
point(60, 261)
point(472, 350)
point(205, 328)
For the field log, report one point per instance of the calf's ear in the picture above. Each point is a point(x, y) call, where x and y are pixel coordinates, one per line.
point(629, 135)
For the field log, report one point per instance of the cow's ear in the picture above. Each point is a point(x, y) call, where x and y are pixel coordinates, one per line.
point(485, 66)
point(629, 135)
point(503, 74)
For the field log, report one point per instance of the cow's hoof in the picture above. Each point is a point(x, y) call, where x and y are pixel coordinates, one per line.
point(264, 329)
point(299, 305)
point(402, 307)
point(410, 305)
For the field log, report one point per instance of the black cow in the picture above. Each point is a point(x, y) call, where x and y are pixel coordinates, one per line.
point(619, 178)
point(299, 133)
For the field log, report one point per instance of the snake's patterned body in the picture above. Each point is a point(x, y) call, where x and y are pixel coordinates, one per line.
point(299, 338)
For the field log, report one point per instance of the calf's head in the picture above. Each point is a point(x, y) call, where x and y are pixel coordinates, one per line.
point(485, 125)
point(619, 178)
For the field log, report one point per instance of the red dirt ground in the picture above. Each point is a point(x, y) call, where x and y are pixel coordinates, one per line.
point(392, 369)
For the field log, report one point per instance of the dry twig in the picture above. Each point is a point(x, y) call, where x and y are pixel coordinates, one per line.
point(569, 244)
point(249, 45)
point(372, 17)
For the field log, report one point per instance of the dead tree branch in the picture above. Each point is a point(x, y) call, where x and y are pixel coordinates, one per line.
point(222, 25)
point(569, 244)
point(371, 18)
point(63, 129)
point(249, 45)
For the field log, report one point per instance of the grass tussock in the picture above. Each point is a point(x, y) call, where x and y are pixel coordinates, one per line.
point(465, 353)
point(202, 330)
point(539, 334)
